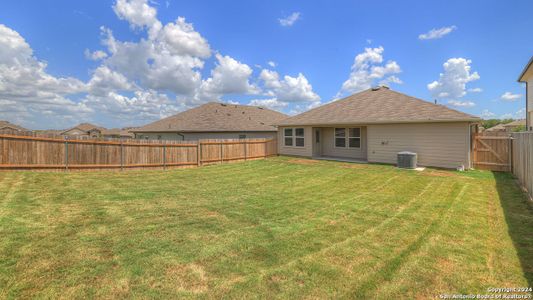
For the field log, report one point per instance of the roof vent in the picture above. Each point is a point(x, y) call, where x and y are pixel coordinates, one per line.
point(377, 88)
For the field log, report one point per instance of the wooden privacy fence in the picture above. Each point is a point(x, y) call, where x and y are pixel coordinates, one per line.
point(34, 152)
point(523, 159)
point(491, 153)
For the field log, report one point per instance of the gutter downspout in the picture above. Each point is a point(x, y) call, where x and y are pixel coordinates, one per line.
point(528, 121)
point(182, 136)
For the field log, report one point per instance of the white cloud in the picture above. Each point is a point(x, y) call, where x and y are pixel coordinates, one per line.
point(143, 105)
point(452, 83)
point(290, 20)
point(228, 77)
point(368, 68)
point(458, 103)
point(288, 89)
point(475, 90)
point(508, 96)
point(135, 81)
point(25, 83)
point(180, 38)
point(520, 114)
point(486, 114)
point(137, 12)
point(271, 103)
point(437, 33)
point(272, 64)
point(104, 80)
point(96, 55)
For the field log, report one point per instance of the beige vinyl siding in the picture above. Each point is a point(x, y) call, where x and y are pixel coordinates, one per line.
point(194, 136)
point(437, 144)
point(329, 149)
point(307, 150)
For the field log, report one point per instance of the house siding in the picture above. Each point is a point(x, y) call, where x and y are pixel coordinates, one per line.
point(307, 150)
point(329, 149)
point(444, 145)
point(193, 136)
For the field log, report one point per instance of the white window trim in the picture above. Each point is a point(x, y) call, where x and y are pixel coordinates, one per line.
point(347, 138)
point(294, 137)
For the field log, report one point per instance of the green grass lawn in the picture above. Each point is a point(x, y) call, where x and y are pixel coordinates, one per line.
point(276, 228)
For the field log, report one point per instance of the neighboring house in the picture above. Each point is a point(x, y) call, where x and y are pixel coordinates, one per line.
point(214, 121)
point(119, 133)
point(84, 130)
point(376, 124)
point(7, 127)
point(496, 128)
point(515, 125)
point(527, 78)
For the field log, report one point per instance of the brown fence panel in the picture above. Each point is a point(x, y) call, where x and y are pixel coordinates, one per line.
point(492, 153)
point(28, 151)
point(522, 163)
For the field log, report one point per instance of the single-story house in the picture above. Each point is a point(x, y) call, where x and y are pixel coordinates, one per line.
point(527, 77)
point(118, 133)
point(84, 130)
point(7, 127)
point(496, 129)
point(376, 124)
point(515, 125)
point(214, 121)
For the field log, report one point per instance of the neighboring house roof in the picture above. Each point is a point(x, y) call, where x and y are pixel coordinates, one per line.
point(218, 117)
point(516, 123)
point(8, 125)
point(378, 105)
point(526, 69)
point(123, 132)
point(499, 127)
point(86, 127)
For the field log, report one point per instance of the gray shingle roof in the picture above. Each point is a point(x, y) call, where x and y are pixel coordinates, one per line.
point(374, 106)
point(8, 125)
point(218, 117)
point(84, 127)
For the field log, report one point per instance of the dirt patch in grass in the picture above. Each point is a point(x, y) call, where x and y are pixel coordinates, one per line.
point(186, 278)
point(303, 161)
point(440, 174)
point(353, 166)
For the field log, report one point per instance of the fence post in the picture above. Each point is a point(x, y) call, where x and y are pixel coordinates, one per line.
point(245, 151)
point(164, 157)
point(221, 153)
point(510, 149)
point(121, 156)
point(266, 147)
point(66, 155)
point(198, 152)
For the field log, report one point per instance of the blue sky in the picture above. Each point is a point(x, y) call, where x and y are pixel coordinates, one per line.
point(133, 61)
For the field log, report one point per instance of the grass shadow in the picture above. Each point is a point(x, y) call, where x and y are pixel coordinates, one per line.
point(518, 210)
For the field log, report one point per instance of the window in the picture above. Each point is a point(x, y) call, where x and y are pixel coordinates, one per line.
point(299, 137)
point(354, 137)
point(242, 136)
point(348, 137)
point(340, 137)
point(288, 136)
point(294, 137)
